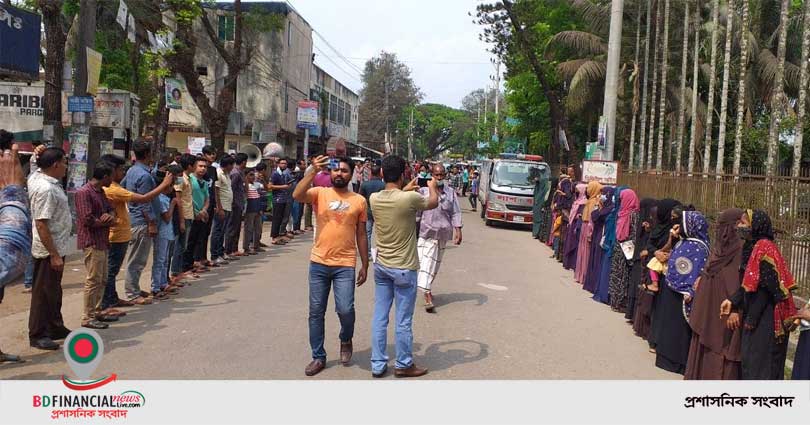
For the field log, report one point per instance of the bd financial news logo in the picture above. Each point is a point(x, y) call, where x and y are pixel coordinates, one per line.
point(83, 352)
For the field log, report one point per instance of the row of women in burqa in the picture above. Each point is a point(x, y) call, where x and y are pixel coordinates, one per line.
point(710, 308)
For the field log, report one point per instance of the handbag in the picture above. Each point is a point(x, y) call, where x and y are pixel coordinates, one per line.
point(628, 248)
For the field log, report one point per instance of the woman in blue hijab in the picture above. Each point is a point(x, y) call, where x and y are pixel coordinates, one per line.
point(602, 293)
point(685, 263)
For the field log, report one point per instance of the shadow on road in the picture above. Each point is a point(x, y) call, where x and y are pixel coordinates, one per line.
point(436, 357)
point(440, 300)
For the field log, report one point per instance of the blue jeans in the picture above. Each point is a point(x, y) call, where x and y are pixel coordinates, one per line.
point(218, 235)
point(179, 249)
point(321, 280)
point(115, 257)
point(393, 285)
point(28, 281)
point(160, 263)
point(369, 229)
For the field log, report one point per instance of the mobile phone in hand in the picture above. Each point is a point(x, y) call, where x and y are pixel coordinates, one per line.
point(334, 163)
point(422, 181)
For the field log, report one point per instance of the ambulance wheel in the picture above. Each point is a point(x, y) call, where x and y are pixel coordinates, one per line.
point(488, 223)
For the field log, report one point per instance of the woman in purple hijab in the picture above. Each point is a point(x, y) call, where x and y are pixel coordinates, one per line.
point(572, 236)
point(598, 218)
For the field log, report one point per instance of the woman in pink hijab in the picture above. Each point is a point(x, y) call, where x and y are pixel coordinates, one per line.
point(626, 225)
point(571, 238)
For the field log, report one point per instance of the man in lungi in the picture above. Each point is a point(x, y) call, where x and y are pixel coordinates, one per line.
point(437, 226)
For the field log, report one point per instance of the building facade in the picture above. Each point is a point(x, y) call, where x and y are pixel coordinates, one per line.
point(268, 90)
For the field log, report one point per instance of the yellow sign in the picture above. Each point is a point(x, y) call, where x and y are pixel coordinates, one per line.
point(93, 70)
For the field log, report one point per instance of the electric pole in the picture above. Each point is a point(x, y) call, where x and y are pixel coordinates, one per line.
point(497, 93)
point(612, 77)
point(387, 136)
point(410, 137)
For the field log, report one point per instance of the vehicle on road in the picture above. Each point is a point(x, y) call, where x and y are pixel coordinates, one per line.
point(506, 187)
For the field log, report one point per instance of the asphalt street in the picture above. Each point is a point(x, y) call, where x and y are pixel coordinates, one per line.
point(504, 310)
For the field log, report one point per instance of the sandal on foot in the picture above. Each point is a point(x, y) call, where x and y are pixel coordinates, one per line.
point(10, 358)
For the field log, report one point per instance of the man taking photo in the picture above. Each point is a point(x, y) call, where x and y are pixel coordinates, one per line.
point(341, 218)
point(396, 264)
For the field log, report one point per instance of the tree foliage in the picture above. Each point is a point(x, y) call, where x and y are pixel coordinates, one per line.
point(384, 76)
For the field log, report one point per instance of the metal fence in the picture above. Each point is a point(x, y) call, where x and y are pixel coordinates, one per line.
point(785, 199)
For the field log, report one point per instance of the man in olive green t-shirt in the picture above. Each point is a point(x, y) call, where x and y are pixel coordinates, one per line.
point(395, 265)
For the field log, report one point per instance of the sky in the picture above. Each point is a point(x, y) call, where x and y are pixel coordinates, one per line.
point(435, 38)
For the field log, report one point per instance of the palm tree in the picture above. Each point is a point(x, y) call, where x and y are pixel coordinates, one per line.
point(682, 105)
point(707, 148)
point(644, 90)
point(662, 108)
point(741, 88)
point(721, 136)
point(635, 78)
point(696, 60)
point(651, 132)
point(797, 144)
point(777, 99)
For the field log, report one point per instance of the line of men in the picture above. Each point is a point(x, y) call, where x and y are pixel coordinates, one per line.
point(169, 210)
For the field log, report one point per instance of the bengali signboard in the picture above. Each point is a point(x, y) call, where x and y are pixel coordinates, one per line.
point(307, 114)
point(19, 42)
point(605, 172)
point(112, 110)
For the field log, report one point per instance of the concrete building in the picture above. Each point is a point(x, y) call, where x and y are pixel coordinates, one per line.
point(339, 110)
point(268, 90)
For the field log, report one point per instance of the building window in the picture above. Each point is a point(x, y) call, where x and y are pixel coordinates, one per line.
point(226, 28)
point(286, 97)
point(289, 34)
point(348, 115)
point(202, 70)
point(341, 116)
point(333, 108)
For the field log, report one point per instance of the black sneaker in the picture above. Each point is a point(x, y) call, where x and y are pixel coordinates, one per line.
point(95, 324)
point(61, 333)
point(45, 344)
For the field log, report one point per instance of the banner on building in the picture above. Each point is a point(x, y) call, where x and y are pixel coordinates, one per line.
point(196, 145)
point(264, 131)
point(93, 70)
point(19, 42)
point(605, 172)
point(174, 93)
point(307, 114)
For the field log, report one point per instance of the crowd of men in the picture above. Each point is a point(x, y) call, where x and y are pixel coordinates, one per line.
point(190, 213)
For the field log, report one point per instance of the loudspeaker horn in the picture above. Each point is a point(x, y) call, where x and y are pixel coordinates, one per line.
point(253, 153)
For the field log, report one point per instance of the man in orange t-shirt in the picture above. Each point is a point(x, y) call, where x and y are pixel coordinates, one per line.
point(341, 222)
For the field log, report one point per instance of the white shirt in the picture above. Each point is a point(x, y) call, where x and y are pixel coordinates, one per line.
point(49, 202)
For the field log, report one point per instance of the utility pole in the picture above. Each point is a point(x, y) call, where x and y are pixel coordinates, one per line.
point(497, 93)
point(612, 77)
point(387, 136)
point(410, 137)
point(80, 121)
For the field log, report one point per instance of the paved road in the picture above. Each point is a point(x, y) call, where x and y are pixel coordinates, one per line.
point(504, 311)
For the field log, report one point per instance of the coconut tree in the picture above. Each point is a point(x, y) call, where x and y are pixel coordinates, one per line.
point(741, 88)
point(707, 143)
point(721, 135)
point(635, 77)
point(778, 97)
point(797, 144)
point(663, 106)
point(682, 104)
point(647, 39)
point(695, 66)
point(647, 162)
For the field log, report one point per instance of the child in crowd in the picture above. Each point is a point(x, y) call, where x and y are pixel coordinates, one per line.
point(163, 244)
point(252, 214)
point(474, 191)
point(556, 235)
